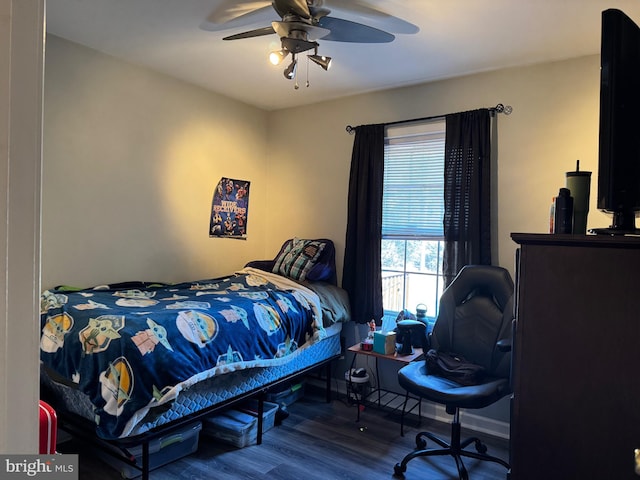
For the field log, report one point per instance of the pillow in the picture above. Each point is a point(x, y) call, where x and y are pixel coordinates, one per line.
point(298, 258)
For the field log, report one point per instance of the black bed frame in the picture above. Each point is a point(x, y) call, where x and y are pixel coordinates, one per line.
point(84, 429)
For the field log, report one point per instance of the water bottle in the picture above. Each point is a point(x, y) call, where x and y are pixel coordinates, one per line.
point(421, 313)
point(563, 221)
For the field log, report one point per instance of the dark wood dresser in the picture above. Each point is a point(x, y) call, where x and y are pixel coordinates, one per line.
point(576, 366)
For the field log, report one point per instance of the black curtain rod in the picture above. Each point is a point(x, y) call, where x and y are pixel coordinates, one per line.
point(499, 108)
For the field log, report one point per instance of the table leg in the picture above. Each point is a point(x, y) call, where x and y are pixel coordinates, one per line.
point(378, 383)
point(404, 408)
point(350, 387)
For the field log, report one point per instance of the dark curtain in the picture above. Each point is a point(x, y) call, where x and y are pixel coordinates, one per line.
point(362, 277)
point(467, 214)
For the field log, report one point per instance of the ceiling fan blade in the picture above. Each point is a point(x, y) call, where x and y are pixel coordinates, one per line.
point(293, 7)
point(348, 31)
point(381, 18)
point(229, 10)
point(253, 17)
point(251, 33)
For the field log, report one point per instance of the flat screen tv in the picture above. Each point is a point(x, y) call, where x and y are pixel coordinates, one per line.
point(619, 149)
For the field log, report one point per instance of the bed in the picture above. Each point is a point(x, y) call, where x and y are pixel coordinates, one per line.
point(125, 363)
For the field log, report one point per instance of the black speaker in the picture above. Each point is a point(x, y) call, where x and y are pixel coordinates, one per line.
point(409, 334)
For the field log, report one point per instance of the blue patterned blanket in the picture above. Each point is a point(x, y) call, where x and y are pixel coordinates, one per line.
point(130, 350)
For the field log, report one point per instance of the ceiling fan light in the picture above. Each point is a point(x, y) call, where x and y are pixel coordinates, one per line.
point(290, 71)
point(324, 62)
point(277, 56)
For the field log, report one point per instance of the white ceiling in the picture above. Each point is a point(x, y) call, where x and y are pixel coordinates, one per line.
point(456, 37)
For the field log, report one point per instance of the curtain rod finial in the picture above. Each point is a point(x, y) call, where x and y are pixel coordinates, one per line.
point(350, 129)
point(500, 108)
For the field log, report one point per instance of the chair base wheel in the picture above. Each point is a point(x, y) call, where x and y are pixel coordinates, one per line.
point(455, 449)
point(481, 448)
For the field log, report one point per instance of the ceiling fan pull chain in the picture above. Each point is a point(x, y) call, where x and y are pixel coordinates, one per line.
point(307, 71)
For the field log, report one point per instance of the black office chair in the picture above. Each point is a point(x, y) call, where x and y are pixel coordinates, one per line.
point(475, 321)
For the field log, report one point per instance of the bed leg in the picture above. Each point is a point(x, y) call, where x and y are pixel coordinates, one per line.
point(145, 460)
point(260, 413)
point(328, 385)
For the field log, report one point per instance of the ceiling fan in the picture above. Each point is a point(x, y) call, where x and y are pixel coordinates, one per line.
point(302, 23)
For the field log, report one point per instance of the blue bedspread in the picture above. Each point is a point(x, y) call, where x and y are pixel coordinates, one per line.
point(130, 350)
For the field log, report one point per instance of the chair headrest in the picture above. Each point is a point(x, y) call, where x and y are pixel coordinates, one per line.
point(487, 280)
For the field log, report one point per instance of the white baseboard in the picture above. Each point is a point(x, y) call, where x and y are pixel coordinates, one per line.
point(468, 418)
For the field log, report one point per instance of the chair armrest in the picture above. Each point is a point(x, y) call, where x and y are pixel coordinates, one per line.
point(427, 345)
point(504, 345)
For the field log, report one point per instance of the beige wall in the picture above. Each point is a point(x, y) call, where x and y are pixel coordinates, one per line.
point(131, 159)
point(554, 122)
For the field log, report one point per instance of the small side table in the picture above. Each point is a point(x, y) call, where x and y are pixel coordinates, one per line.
point(403, 359)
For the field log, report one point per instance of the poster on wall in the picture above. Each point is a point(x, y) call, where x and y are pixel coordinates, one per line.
point(229, 209)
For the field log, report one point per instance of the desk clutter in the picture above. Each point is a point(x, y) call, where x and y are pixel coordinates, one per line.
point(384, 342)
point(378, 341)
point(409, 333)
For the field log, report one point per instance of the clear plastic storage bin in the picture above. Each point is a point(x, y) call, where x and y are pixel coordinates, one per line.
point(239, 426)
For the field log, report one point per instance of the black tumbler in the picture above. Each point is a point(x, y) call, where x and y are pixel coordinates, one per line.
point(563, 221)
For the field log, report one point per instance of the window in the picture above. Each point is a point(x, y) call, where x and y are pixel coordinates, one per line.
point(412, 213)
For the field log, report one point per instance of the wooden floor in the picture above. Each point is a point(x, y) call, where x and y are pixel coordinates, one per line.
point(318, 441)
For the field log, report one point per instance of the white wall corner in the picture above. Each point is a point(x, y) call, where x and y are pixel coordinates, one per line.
point(21, 95)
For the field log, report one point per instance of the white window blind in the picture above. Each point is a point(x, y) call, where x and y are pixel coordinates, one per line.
point(413, 196)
